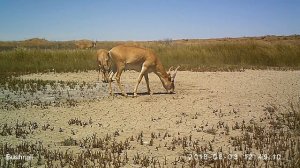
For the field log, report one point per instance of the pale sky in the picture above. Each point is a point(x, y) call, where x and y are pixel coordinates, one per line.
point(146, 20)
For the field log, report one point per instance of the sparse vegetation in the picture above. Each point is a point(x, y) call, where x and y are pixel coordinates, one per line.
point(18, 93)
point(260, 146)
point(292, 118)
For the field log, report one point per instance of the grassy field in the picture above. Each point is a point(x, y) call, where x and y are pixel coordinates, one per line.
point(226, 54)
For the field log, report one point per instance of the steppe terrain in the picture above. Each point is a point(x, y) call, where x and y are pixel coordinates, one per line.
point(210, 112)
point(236, 104)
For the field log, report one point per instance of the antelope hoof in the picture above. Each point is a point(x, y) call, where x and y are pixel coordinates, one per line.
point(134, 94)
point(171, 92)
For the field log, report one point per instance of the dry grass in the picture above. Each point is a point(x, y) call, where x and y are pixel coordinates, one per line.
point(39, 55)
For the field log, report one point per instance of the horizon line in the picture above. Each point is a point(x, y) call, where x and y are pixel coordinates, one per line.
point(163, 39)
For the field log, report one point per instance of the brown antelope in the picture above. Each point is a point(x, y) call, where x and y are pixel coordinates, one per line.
point(104, 64)
point(141, 60)
point(85, 44)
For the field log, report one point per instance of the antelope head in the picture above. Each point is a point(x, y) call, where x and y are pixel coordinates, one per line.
point(170, 86)
point(104, 63)
point(94, 44)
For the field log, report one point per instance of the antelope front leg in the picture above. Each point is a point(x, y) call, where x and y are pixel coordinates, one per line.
point(138, 81)
point(147, 82)
point(106, 76)
point(118, 77)
point(99, 74)
point(103, 78)
point(110, 81)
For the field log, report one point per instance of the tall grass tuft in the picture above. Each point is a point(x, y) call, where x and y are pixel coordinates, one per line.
point(240, 54)
point(42, 60)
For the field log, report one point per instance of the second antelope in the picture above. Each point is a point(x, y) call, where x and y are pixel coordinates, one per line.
point(104, 64)
point(85, 44)
point(141, 60)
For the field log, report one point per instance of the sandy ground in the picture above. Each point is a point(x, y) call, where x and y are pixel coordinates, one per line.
point(213, 97)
